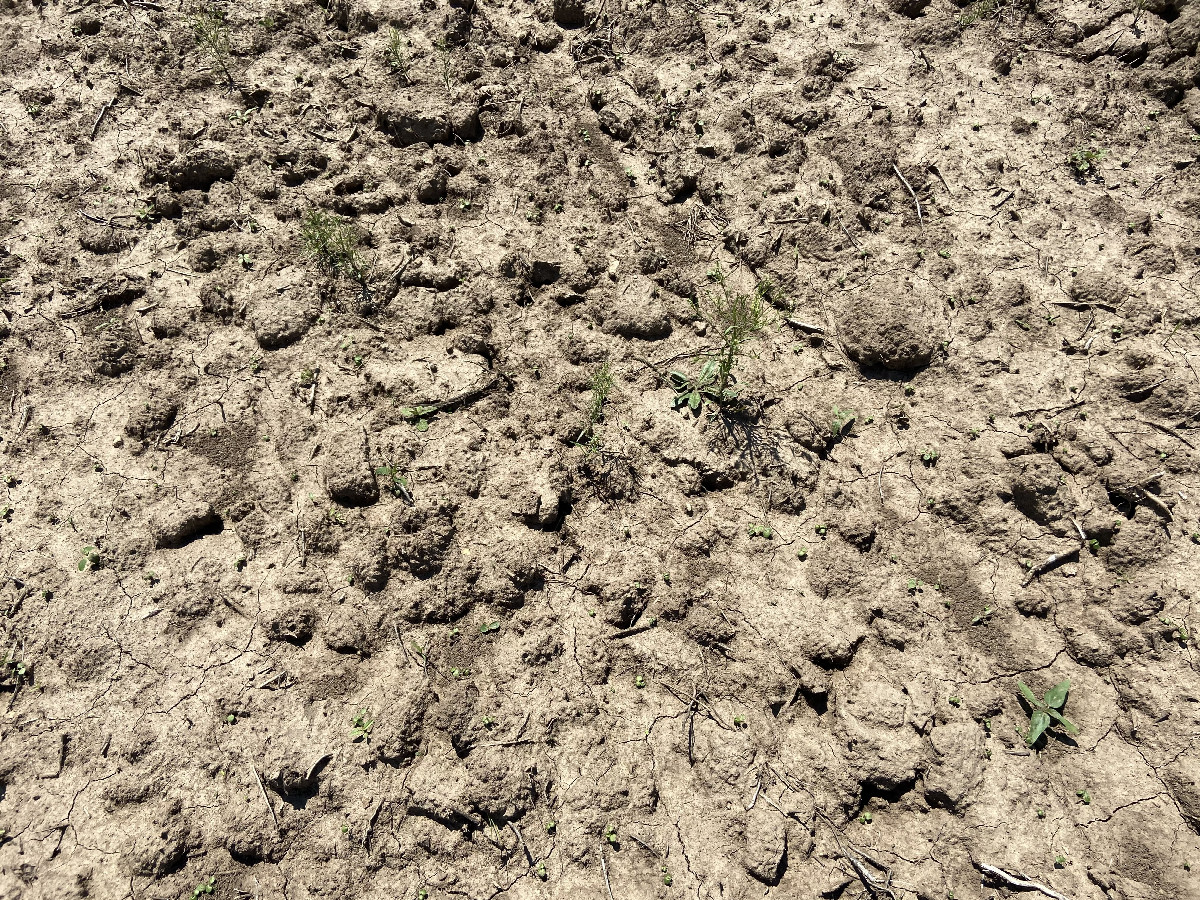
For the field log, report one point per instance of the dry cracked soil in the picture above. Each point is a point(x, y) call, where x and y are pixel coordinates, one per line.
point(599, 448)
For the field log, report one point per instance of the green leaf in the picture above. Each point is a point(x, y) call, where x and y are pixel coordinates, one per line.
point(1029, 695)
point(694, 401)
point(422, 425)
point(82, 564)
point(1057, 695)
point(1063, 721)
point(1038, 723)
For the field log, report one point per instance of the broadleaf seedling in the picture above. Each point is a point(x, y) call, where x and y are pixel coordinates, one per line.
point(1047, 712)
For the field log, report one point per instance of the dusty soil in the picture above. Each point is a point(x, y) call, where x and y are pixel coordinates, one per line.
point(345, 576)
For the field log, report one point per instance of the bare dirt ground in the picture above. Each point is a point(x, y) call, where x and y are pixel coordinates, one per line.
point(357, 540)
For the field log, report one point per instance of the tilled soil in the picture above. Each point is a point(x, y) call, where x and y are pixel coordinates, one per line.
point(358, 540)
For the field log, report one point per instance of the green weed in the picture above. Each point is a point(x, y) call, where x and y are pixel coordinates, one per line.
point(1046, 712)
point(361, 725)
point(333, 243)
point(393, 481)
point(843, 421)
point(212, 36)
point(1086, 160)
point(602, 384)
point(396, 54)
point(89, 559)
point(446, 61)
point(735, 318)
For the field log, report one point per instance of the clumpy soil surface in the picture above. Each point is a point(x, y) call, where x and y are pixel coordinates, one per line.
point(355, 542)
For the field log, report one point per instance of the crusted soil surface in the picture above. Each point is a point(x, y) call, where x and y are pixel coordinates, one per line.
point(357, 539)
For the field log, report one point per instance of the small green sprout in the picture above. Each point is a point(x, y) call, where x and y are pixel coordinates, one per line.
point(361, 726)
point(1046, 713)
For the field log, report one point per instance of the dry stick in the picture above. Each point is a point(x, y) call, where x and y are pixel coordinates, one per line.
point(648, 848)
point(1152, 500)
point(628, 632)
point(1051, 562)
point(938, 172)
point(266, 799)
point(754, 799)
point(312, 393)
point(805, 326)
point(604, 869)
point(1171, 431)
point(692, 724)
point(1013, 881)
point(521, 840)
point(920, 217)
point(103, 109)
point(845, 232)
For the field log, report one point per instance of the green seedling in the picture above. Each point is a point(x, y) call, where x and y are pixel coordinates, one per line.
point(1086, 160)
point(639, 682)
point(1046, 713)
point(692, 392)
point(735, 318)
point(843, 421)
point(212, 36)
point(204, 887)
point(396, 54)
point(914, 585)
point(551, 826)
point(1085, 797)
point(89, 559)
point(983, 616)
point(821, 530)
point(667, 878)
point(419, 416)
point(602, 384)
point(610, 835)
point(540, 869)
point(763, 531)
point(1060, 861)
point(14, 667)
point(447, 61)
point(393, 481)
point(333, 242)
point(929, 457)
point(866, 818)
point(487, 722)
point(955, 701)
point(361, 725)
point(802, 554)
point(489, 627)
